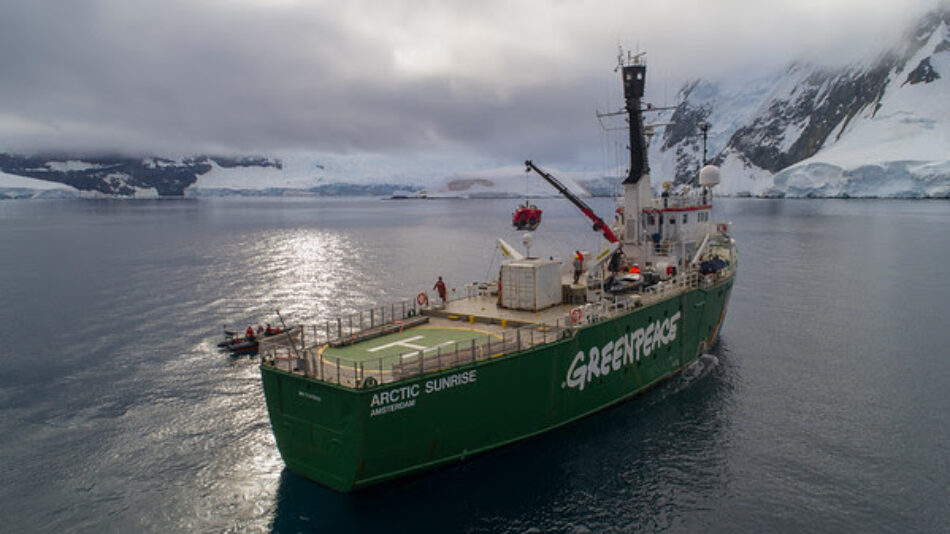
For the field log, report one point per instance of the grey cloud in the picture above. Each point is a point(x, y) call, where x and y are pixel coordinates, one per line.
point(179, 77)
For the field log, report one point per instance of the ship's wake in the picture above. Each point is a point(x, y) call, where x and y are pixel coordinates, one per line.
point(705, 365)
point(700, 368)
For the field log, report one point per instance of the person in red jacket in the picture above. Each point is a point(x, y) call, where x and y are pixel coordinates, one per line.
point(249, 333)
point(440, 287)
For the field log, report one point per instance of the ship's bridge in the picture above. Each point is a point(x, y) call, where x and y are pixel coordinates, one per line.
point(680, 218)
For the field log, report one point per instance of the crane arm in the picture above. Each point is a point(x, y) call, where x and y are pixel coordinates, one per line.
point(599, 224)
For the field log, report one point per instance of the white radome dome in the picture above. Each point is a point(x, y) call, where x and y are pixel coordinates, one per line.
point(709, 175)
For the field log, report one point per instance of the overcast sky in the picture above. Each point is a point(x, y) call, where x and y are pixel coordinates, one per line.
point(496, 80)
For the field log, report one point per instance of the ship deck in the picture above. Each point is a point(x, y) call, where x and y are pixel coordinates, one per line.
point(409, 338)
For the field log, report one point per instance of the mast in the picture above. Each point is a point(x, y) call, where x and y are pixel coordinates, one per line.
point(637, 184)
point(634, 80)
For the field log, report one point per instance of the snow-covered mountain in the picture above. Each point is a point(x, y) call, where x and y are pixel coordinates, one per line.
point(511, 182)
point(116, 176)
point(289, 175)
point(875, 129)
point(21, 187)
point(202, 176)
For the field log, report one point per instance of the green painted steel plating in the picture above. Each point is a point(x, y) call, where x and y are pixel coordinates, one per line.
point(348, 439)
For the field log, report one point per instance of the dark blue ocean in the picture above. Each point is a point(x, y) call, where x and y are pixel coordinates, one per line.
point(824, 408)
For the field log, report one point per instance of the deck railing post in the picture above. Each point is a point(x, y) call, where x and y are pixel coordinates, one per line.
point(421, 366)
point(473, 350)
point(338, 370)
point(518, 338)
point(438, 355)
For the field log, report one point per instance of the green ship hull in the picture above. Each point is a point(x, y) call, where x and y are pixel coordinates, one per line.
point(351, 437)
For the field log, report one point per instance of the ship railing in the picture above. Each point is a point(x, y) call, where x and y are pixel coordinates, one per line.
point(311, 362)
point(676, 285)
point(356, 326)
point(291, 341)
point(433, 302)
point(481, 289)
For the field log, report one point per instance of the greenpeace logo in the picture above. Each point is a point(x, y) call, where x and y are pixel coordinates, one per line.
point(627, 349)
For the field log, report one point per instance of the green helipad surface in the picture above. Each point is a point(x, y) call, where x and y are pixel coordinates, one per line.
point(390, 346)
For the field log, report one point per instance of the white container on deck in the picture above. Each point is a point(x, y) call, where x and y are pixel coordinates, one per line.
point(530, 284)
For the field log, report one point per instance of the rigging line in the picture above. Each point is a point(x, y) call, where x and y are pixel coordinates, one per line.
point(492, 242)
point(605, 153)
point(491, 262)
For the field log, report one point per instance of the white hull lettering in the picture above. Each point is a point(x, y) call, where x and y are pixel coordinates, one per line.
point(405, 397)
point(392, 407)
point(625, 350)
point(448, 382)
point(395, 395)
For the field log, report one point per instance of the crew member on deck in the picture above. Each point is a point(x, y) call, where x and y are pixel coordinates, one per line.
point(249, 333)
point(616, 260)
point(440, 287)
point(578, 265)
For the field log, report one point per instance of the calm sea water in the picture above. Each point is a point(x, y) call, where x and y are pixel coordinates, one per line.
point(824, 408)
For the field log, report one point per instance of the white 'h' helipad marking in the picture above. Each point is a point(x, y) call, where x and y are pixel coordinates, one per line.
point(400, 343)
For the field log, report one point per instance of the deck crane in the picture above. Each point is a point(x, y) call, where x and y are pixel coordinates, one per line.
point(599, 224)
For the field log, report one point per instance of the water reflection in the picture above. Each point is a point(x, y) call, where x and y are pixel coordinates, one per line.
point(119, 414)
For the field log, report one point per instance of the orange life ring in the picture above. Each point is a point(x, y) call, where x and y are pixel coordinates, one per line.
point(422, 299)
point(576, 315)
